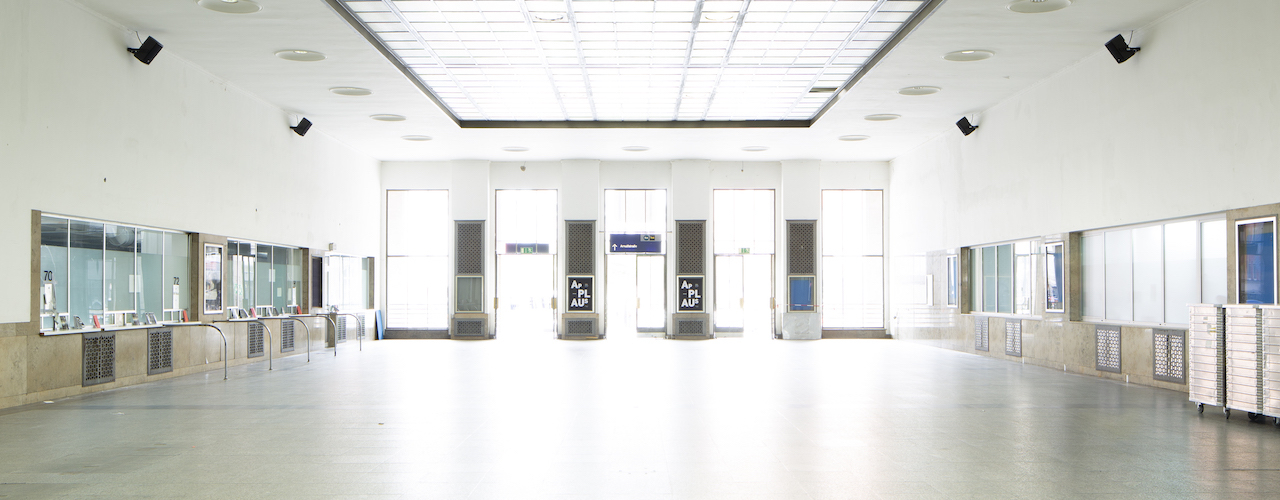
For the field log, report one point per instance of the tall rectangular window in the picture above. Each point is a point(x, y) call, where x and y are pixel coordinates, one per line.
point(1003, 279)
point(852, 259)
point(1055, 281)
point(419, 231)
point(953, 281)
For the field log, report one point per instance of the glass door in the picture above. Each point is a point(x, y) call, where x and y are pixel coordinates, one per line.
point(526, 247)
point(743, 239)
point(636, 288)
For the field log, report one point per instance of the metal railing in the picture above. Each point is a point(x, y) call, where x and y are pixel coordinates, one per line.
point(264, 327)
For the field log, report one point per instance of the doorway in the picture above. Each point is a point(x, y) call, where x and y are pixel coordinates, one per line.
point(636, 294)
point(525, 302)
point(743, 244)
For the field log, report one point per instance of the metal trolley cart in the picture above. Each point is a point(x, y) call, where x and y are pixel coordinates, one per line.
point(1246, 359)
point(1271, 363)
point(1207, 364)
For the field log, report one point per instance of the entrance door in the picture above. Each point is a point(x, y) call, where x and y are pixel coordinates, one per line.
point(636, 290)
point(526, 248)
point(525, 294)
point(743, 243)
point(744, 295)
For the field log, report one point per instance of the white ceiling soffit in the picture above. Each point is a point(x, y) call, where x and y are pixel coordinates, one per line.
point(634, 63)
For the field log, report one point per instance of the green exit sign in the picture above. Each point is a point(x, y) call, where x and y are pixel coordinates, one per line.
point(526, 249)
point(744, 250)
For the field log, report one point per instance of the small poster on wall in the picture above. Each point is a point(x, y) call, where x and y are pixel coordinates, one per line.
point(689, 294)
point(581, 293)
point(212, 279)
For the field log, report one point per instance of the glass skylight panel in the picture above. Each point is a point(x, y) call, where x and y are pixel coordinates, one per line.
point(646, 60)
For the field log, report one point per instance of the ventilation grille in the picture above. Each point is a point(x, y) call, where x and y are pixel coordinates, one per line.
point(980, 334)
point(159, 351)
point(691, 238)
point(286, 335)
point(1108, 347)
point(255, 340)
point(469, 253)
point(580, 328)
point(99, 358)
point(691, 329)
point(1013, 337)
point(801, 247)
point(579, 247)
point(469, 328)
point(342, 329)
point(1169, 361)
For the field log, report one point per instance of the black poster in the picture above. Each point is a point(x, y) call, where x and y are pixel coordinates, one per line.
point(689, 293)
point(581, 293)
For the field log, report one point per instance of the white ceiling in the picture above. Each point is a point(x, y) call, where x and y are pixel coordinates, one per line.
point(240, 48)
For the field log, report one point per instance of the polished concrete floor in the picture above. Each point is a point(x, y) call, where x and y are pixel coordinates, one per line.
point(638, 419)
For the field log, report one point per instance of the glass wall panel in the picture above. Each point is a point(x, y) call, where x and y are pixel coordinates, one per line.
point(1095, 277)
point(151, 286)
point(54, 234)
point(990, 283)
point(280, 257)
point(1024, 277)
point(419, 274)
point(1181, 275)
point(953, 280)
point(1148, 274)
point(1055, 279)
point(744, 221)
point(1119, 274)
point(85, 292)
point(262, 269)
point(1004, 284)
point(526, 217)
point(120, 269)
point(1213, 262)
point(176, 272)
point(852, 271)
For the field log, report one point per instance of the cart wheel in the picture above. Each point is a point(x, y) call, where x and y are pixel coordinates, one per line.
point(1253, 417)
point(1227, 412)
point(1276, 422)
point(1200, 407)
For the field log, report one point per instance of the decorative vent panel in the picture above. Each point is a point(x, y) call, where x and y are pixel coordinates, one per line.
point(469, 250)
point(1169, 360)
point(255, 340)
point(1108, 347)
point(580, 328)
point(286, 335)
point(579, 247)
point(1013, 337)
point(691, 238)
point(99, 358)
point(801, 247)
point(691, 328)
point(980, 333)
point(469, 328)
point(159, 351)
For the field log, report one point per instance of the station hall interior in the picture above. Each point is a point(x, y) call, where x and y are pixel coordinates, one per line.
point(639, 249)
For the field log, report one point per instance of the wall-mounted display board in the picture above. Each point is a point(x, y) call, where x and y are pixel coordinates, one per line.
point(212, 279)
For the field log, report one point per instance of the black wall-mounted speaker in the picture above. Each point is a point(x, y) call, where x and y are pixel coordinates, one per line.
point(965, 127)
point(1121, 50)
point(147, 51)
point(303, 127)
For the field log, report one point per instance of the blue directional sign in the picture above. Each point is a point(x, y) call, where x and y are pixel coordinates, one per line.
point(635, 243)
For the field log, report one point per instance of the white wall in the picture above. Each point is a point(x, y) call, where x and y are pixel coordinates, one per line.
point(86, 130)
point(1188, 126)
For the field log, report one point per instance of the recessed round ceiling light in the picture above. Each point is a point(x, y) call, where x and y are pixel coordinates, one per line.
point(350, 91)
point(968, 55)
point(919, 90)
point(300, 55)
point(1038, 6)
point(417, 138)
point(717, 17)
point(635, 148)
point(231, 6)
point(854, 138)
point(387, 118)
point(883, 117)
point(515, 149)
point(755, 149)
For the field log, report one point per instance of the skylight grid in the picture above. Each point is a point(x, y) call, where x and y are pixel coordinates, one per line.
point(635, 60)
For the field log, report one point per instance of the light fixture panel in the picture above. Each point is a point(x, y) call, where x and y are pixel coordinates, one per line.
point(552, 61)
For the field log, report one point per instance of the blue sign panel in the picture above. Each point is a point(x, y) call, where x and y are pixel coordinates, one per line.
point(635, 243)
